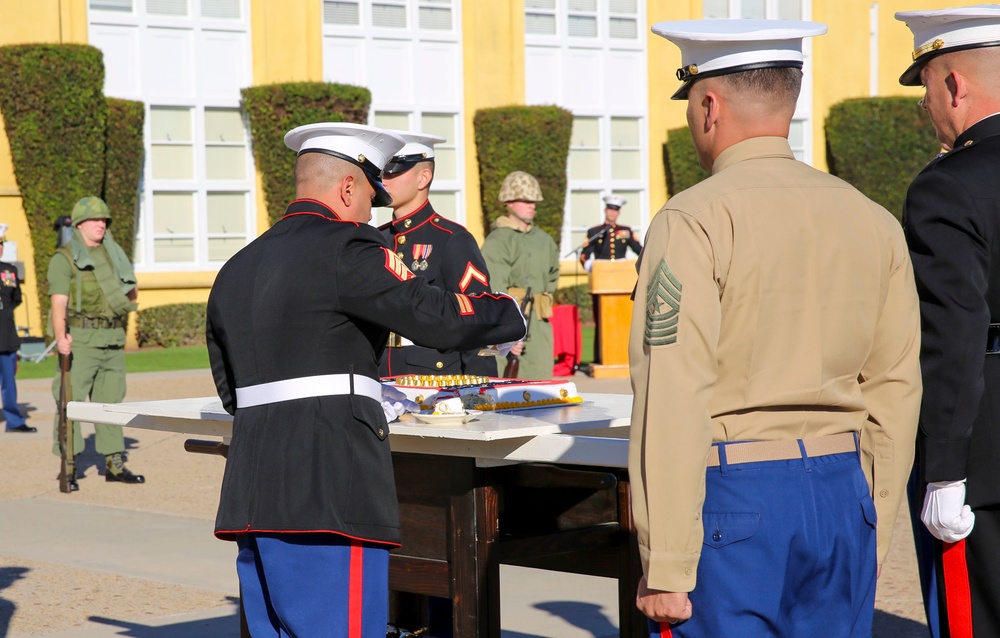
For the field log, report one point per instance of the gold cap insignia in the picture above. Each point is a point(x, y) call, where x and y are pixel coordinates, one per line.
point(927, 48)
point(361, 158)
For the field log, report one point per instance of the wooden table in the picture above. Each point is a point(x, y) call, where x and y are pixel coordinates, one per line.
point(542, 488)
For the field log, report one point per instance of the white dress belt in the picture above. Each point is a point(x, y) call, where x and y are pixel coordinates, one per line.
point(322, 385)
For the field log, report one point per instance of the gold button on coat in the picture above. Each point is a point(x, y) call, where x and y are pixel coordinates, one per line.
point(438, 365)
point(402, 240)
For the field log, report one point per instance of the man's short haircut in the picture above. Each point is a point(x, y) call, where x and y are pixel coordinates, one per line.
point(313, 170)
point(778, 85)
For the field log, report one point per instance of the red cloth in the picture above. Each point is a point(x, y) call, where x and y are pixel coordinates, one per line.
point(566, 339)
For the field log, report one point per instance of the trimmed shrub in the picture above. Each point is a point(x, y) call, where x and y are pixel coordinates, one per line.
point(534, 139)
point(123, 168)
point(55, 116)
point(681, 161)
point(172, 325)
point(879, 145)
point(577, 296)
point(275, 109)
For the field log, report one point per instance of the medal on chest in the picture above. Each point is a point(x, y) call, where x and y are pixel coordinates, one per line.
point(420, 254)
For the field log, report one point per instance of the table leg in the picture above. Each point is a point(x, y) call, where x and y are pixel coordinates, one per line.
point(475, 573)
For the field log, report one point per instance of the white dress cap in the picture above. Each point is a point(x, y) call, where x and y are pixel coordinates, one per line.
point(419, 148)
point(948, 30)
point(718, 47)
point(365, 146)
point(614, 201)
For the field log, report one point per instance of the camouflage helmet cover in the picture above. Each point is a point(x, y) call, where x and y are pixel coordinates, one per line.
point(520, 186)
point(91, 207)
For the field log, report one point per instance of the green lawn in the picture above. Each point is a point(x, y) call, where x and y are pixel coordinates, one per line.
point(151, 360)
point(196, 357)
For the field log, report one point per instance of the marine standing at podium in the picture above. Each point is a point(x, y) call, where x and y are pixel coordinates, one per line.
point(520, 256)
point(608, 241)
point(297, 321)
point(435, 248)
point(774, 333)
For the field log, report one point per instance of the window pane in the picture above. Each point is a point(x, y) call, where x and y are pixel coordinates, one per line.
point(753, 9)
point(630, 212)
point(789, 9)
point(226, 213)
point(539, 24)
point(716, 9)
point(584, 164)
point(169, 124)
point(223, 125)
point(431, 18)
point(396, 121)
point(624, 132)
point(389, 15)
point(173, 250)
point(437, 124)
point(444, 163)
point(796, 137)
point(539, 4)
point(173, 213)
point(623, 6)
point(222, 248)
point(582, 26)
point(585, 132)
point(445, 203)
point(111, 5)
point(225, 162)
point(229, 9)
point(625, 165)
point(341, 13)
point(167, 7)
point(587, 210)
point(624, 28)
point(172, 162)
point(582, 5)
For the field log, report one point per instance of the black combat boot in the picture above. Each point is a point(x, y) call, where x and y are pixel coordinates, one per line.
point(116, 470)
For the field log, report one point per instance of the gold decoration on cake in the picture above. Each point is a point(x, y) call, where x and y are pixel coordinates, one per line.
point(563, 392)
point(440, 380)
point(526, 395)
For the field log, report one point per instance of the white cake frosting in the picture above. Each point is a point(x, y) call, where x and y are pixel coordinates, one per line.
point(481, 393)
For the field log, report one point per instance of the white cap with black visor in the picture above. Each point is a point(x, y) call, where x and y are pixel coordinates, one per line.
point(711, 48)
point(419, 148)
point(946, 31)
point(364, 146)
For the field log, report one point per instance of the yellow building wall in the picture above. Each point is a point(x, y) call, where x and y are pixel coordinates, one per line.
point(493, 75)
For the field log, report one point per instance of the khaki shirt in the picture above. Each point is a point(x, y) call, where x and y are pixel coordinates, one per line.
point(774, 301)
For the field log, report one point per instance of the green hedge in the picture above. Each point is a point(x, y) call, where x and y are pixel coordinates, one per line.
point(879, 145)
point(123, 157)
point(275, 109)
point(534, 139)
point(179, 324)
point(55, 116)
point(681, 161)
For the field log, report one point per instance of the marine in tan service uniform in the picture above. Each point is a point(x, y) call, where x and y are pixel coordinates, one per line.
point(774, 333)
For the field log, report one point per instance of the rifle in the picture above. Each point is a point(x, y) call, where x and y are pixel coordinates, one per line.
point(67, 468)
point(513, 366)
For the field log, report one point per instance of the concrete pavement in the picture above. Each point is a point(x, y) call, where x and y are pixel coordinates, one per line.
point(140, 560)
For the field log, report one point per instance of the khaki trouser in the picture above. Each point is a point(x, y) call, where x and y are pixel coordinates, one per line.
point(97, 374)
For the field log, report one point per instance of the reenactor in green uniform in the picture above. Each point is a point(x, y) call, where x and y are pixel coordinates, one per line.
point(521, 257)
point(93, 288)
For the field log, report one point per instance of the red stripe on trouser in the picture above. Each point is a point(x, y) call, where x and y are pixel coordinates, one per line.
point(664, 631)
point(958, 598)
point(355, 593)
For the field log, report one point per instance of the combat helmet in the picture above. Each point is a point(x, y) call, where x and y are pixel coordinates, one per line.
point(520, 186)
point(90, 207)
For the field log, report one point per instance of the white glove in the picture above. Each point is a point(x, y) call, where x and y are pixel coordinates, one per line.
point(523, 318)
point(395, 403)
point(945, 513)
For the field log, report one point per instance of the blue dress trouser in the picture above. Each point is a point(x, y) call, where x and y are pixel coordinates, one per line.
point(313, 585)
point(8, 390)
point(789, 551)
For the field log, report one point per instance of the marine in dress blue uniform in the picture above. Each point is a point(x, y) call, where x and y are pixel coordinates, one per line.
point(951, 218)
point(10, 342)
point(774, 353)
point(435, 248)
point(297, 321)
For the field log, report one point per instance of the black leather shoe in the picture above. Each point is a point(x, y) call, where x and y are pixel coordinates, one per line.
point(23, 428)
point(125, 476)
point(74, 486)
point(117, 472)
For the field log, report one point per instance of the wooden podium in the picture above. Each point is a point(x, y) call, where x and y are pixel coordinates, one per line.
point(611, 283)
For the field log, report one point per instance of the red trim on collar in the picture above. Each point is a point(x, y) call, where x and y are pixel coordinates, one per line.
point(404, 217)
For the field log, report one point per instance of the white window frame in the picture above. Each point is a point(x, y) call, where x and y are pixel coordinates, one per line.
point(200, 185)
